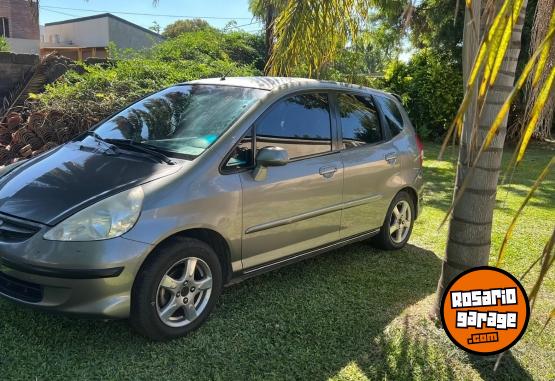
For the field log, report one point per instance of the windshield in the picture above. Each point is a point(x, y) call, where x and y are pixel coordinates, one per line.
point(183, 120)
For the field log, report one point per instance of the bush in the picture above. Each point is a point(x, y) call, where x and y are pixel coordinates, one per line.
point(431, 88)
point(4, 46)
point(208, 45)
point(100, 90)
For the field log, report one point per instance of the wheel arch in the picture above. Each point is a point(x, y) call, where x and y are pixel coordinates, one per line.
point(414, 195)
point(209, 236)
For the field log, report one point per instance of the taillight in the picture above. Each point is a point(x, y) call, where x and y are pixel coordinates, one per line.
point(420, 149)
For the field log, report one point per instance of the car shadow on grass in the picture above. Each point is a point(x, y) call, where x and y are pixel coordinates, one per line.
point(306, 321)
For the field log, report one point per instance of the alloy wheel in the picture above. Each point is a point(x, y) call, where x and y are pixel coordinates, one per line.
point(400, 221)
point(184, 292)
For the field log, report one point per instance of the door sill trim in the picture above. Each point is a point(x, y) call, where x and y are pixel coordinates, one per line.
point(307, 254)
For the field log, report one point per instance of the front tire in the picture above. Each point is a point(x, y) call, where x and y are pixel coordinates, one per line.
point(176, 289)
point(399, 220)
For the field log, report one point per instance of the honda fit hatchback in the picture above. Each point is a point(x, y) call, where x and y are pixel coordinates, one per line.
point(150, 213)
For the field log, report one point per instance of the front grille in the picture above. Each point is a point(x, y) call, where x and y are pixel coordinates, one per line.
point(12, 230)
point(18, 289)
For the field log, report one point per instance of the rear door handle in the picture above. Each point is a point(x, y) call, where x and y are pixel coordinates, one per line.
point(391, 157)
point(328, 172)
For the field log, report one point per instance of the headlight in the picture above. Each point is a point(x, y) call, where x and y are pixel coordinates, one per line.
point(108, 218)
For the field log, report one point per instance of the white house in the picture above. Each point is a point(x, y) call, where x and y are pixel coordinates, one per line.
point(90, 36)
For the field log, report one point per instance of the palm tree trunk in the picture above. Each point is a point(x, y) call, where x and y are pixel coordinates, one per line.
point(269, 33)
point(469, 237)
point(544, 10)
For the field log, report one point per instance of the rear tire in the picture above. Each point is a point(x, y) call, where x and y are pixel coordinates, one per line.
point(398, 223)
point(176, 289)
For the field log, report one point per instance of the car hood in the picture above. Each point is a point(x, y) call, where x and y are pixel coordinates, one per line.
point(53, 186)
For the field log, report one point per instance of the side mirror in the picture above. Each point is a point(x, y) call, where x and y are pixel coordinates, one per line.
point(269, 157)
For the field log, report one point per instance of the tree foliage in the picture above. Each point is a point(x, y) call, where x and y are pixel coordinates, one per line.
point(431, 89)
point(438, 25)
point(102, 89)
point(184, 26)
point(303, 37)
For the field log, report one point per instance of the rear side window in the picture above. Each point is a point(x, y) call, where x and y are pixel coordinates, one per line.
point(360, 123)
point(300, 124)
point(392, 114)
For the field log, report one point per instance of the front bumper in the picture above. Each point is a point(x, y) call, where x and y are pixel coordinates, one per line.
point(90, 278)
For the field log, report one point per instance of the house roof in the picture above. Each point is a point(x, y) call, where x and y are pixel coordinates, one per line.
point(102, 15)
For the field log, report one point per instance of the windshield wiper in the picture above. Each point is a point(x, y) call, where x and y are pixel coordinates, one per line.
point(141, 147)
point(100, 140)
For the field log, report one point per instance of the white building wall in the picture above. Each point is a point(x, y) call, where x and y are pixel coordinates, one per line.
point(93, 32)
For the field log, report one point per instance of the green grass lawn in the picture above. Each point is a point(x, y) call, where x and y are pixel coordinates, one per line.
point(356, 313)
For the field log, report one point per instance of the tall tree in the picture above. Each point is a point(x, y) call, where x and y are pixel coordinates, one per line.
point(469, 237)
point(184, 26)
point(267, 11)
point(430, 28)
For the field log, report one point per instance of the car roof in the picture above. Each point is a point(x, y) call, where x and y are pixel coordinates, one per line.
point(282, 83)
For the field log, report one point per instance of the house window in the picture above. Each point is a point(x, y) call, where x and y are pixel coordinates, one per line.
point(4, 27)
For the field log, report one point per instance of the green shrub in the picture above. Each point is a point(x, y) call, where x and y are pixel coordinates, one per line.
point(208, 44)
point(99, 91)
point(431, 89)
point(4, 46)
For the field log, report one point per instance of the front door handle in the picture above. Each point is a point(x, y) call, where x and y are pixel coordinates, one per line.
point(328, 172)
point(391, 157)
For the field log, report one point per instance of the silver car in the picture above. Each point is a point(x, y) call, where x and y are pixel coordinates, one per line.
point(150, 213)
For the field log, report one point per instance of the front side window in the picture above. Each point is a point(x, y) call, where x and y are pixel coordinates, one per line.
point(300, 124)
point(4, 27)
point(360, 122)
point(392, 114)
point(183, 120)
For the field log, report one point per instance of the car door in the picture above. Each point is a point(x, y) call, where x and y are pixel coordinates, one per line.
point(370, 164)
point(297, 207)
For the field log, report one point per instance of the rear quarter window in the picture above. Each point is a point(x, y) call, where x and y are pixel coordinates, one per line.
point(392, 114)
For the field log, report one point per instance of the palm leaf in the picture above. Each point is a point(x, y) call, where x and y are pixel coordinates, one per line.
point(549, 318)
point(536, 111)
point(548, 257)
point(486, 53)
point(497, 121)
point(303, 38)
point(33, 82)
point(510, 230)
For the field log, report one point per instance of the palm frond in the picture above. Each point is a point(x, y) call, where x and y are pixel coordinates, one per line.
point(32, 82)
point(310, 34)
point(512, 225)
point(548, 257)
point(496, 123)
point(544, 55)
point(549, 318)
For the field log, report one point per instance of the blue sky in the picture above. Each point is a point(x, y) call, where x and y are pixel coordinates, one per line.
point(217, 12)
